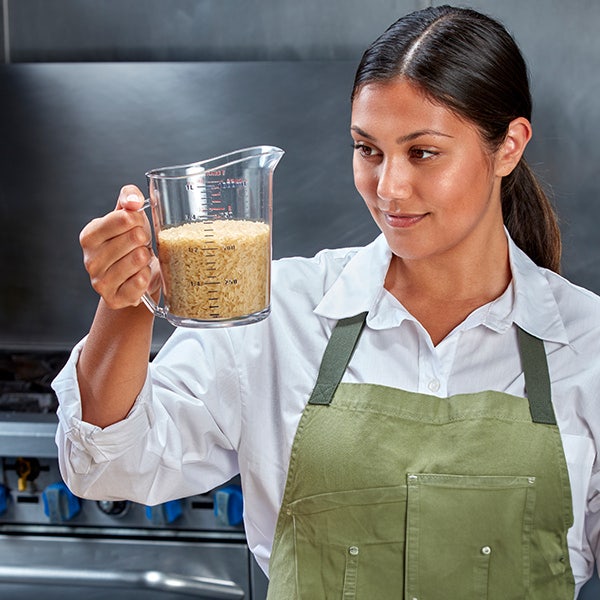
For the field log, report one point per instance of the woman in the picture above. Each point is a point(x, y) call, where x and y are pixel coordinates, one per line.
point(456, 457)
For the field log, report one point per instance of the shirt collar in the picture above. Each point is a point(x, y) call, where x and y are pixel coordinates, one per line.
point(535, 307)
point(360, 287)
point(529, 301)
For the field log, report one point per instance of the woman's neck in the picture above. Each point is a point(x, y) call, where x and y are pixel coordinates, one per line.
point(441, 292)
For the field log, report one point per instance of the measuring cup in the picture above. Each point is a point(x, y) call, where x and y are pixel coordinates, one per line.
point(212, 229)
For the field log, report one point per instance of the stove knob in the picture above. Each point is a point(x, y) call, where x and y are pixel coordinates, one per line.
point(164, 514)
point(229, 505)
point(4, 498)
point(113, 508)
point(60, 504)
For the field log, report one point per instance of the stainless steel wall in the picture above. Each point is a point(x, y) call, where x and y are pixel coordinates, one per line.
point(116, 30)
point(73, 30)
point(558, 39)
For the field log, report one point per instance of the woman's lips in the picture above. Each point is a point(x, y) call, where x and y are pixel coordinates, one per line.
point(403, 221)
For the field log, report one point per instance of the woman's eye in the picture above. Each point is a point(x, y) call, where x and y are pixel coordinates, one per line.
point(421, 153)
point(365, 150)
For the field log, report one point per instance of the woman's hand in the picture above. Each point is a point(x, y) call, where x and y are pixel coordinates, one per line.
point(117, 252)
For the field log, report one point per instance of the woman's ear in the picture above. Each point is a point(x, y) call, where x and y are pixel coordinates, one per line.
point(514, 144)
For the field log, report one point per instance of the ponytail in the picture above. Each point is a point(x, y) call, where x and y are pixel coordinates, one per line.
point(530, 217)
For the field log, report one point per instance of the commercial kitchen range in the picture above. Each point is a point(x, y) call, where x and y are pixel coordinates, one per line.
point(57, 546)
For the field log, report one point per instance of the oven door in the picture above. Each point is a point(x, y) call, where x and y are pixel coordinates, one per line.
point(75, 567)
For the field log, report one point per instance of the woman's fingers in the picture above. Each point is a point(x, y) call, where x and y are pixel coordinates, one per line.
point(117, 251)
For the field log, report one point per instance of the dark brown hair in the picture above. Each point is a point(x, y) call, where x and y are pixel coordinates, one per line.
point(469, 63)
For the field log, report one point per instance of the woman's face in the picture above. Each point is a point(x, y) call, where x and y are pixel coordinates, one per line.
point(423, 172)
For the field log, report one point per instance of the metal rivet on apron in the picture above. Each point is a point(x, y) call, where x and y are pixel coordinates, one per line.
point(353, 550)
point(531, 479)
point(412, 478)
point(486, 550)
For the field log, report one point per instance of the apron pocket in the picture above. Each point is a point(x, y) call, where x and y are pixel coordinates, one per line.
point(351, 541)
point(468, 536)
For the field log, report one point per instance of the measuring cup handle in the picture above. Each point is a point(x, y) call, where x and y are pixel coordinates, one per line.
point(145, 205)
point(153, 307)
point(147, 299)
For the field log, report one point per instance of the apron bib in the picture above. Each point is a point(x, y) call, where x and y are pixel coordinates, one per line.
point(399, 495)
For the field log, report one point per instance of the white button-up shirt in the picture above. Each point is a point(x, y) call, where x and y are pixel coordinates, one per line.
point(225, 401)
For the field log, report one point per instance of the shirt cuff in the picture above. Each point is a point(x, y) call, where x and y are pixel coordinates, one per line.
point(98, 444)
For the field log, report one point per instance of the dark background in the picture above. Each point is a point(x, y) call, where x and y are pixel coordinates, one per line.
point(95, 93)
point(77, 132)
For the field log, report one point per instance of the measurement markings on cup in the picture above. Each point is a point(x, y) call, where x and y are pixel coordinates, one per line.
point(210, 266)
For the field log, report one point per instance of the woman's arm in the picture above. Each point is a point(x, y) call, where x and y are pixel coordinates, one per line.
point(114, 361)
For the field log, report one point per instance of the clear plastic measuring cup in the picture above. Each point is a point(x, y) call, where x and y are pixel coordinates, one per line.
point(212, 228)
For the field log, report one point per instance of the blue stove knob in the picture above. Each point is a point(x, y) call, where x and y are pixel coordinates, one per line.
point(60, 504)
point(166, 513)
point(229, 505)
point(4, 498)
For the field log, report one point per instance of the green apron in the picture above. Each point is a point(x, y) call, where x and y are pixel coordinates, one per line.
point(398, 495)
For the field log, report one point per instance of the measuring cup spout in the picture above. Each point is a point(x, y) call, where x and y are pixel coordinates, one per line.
point(272, 158)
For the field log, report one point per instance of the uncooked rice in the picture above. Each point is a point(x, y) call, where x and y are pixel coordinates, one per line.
point(216, 269)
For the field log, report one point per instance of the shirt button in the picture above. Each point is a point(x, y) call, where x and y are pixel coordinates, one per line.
point(353, 550)
point(486, 550)
point(434, 385)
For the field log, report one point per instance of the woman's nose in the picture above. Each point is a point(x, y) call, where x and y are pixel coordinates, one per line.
point(394, 181)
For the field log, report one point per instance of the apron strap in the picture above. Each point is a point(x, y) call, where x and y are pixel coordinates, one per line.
point(336, 357)
point(537, 378)
point(347, 331)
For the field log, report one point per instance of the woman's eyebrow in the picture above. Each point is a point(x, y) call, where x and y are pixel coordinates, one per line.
point(361, 132)
point(404, 138)
point(417, 134)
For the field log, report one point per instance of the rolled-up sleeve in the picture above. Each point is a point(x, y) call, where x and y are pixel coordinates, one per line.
point(80, 444)
point(131, 459)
